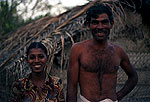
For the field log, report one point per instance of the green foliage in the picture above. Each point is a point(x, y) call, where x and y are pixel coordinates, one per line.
point(9, 19)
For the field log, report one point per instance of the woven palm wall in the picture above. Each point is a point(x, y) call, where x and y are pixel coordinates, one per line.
point(59, 33)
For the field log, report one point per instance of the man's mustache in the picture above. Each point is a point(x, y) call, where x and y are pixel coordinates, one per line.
point(97, 30)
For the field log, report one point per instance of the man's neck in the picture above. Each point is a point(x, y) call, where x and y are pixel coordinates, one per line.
point(102, 44)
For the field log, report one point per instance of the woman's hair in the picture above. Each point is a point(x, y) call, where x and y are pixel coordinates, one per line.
point(96, 10)
point(36, 45)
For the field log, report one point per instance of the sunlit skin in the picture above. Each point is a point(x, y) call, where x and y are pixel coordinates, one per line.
point(100, 27)
point(94, 64)
point(37, 60)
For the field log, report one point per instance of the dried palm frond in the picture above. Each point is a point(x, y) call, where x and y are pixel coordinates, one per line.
point(58, 34)
point(39, 32)
point(71, 22)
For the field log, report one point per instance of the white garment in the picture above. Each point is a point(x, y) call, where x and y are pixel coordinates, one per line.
point(83, 99)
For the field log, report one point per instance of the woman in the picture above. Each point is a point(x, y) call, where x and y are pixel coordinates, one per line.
point(38, 86)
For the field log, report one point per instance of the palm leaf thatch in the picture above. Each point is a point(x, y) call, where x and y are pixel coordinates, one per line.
point(45, 28)
point(57, 34)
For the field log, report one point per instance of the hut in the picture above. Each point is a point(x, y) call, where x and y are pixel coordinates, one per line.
point(60, 32)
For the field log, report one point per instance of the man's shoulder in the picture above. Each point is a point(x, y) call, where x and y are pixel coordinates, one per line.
point(117, 47)
point(81, 44)
point(121, 52)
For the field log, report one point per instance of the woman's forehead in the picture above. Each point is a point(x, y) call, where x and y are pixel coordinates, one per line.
point(36, 50)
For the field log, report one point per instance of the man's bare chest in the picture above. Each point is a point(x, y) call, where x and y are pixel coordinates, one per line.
point(106, 61)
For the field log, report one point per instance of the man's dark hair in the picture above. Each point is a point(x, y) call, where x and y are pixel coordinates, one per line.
point(36, 45)
point(98, 9)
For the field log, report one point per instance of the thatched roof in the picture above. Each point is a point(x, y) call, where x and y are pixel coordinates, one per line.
point(46, 27)
point(36, 30)
point(59, 33)
point(65, 24)
point(53, 31)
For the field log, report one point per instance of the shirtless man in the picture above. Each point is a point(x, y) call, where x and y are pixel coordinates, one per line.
point(94, 63)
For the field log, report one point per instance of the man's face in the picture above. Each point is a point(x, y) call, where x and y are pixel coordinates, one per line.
point(37, 60)
point(100, 27)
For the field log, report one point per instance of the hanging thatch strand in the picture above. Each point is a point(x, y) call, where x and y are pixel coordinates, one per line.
point(49, 22)
point(59, 33)
point(78, 14)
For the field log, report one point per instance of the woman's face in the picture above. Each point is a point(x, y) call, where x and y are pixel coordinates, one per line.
point(37, 60)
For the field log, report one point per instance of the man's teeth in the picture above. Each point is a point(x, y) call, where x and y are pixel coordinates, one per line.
point(37, 66)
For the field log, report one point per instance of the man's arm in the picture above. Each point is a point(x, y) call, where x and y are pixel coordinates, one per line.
point(131, 73)
point(72, 74)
